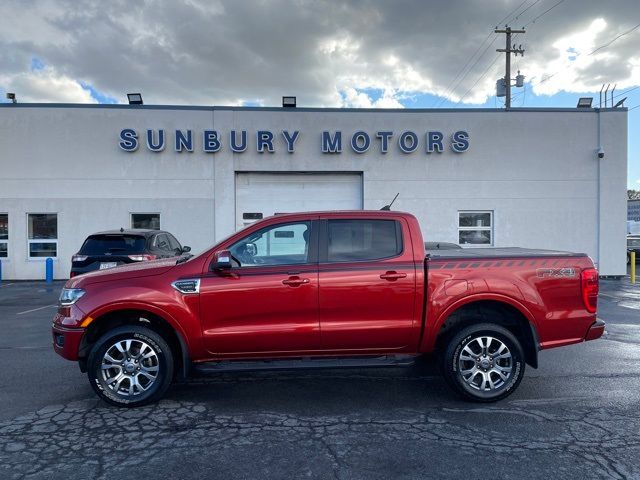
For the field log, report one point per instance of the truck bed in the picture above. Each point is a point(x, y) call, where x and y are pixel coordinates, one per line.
point(502, 252)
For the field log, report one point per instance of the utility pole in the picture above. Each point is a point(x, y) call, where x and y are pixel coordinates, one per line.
point(509, 49)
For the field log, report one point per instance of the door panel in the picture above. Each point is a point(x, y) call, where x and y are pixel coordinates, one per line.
point(253, 311)
point(366, 304)
point(268, 303)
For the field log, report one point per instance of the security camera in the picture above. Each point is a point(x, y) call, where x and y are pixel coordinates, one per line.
point(600, 153)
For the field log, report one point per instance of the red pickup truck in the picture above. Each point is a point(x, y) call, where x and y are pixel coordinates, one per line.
point(326, 289)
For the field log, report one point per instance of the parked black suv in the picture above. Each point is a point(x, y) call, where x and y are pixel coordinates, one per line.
point(115, 247)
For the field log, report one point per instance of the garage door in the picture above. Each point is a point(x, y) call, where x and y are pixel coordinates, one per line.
point(260, 195)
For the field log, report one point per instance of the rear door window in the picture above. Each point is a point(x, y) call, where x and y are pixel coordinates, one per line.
point(113, 244)
point(361, 240)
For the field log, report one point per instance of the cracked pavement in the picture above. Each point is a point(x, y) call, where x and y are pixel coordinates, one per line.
point(577, 416)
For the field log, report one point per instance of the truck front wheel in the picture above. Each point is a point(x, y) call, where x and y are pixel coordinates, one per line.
point(483, 362)
point(130, 366)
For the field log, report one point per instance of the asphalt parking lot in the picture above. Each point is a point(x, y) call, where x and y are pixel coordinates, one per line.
point(577, 416)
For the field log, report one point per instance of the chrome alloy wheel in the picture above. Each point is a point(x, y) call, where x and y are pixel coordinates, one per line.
point(485, 363)
point(129, 367)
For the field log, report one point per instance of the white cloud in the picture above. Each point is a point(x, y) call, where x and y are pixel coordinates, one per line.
point(46, 85)
point(325, 53)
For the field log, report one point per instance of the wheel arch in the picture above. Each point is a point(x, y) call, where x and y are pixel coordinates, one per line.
point(106, 320)
point(501, 311)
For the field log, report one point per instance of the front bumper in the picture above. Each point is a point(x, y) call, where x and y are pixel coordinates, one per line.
point(66, 331)
point(595, 331)
point(66, 341)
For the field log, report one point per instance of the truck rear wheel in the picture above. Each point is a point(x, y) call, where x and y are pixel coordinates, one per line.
point(483, 362)
point(130, 366)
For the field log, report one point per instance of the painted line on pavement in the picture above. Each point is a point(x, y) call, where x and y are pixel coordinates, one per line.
point(606, 295)
point(36, 309)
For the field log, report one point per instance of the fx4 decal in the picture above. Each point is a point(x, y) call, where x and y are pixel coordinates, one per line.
point(556, 272)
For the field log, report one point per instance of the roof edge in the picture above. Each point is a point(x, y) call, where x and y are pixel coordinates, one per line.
point(310, 109)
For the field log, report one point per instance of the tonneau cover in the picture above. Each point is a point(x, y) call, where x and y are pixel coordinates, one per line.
point(503, 252)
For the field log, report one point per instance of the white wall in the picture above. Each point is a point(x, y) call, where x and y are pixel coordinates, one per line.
point(536, 169)
point(67, 161)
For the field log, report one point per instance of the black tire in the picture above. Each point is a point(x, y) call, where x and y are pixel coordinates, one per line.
point(150, 355)
point(487, 366)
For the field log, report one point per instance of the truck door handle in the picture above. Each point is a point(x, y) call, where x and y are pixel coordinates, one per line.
point(392, 275)
point(295, 281)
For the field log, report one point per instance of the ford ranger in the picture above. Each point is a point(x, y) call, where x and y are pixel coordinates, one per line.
point(326, 289)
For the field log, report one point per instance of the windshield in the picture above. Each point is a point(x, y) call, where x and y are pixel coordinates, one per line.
point(633, 242)
point(101, 244)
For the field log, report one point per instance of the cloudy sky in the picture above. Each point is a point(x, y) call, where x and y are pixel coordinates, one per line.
point(361, 53)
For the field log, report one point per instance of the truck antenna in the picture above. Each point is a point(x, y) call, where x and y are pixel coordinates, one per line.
point(388, 207)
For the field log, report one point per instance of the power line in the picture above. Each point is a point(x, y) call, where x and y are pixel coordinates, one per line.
point(543, 13)
point(472, 66)
point(479, 78)
point(455, 82)
point(532, 5)
point(514, 11)
point(515, 35)
point(454, 85)
point(619, 36)
point(605, 45)
point(626, 91)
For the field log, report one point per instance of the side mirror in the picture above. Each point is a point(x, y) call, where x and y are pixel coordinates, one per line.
point(186, 249)
point(221, 260)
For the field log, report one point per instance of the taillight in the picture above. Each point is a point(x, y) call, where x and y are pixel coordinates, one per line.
point(78, 258)
point(142, 258)
point(590, 288)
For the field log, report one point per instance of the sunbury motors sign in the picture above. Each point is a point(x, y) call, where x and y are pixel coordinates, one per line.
point(211, 141)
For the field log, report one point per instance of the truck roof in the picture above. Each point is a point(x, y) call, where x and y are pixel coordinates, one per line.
point(338, 213)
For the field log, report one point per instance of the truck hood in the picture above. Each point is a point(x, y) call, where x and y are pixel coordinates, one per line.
point(132, 270)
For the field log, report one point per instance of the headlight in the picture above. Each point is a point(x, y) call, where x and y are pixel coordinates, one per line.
point(69, 296)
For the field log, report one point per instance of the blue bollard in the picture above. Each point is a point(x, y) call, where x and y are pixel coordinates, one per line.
point(49, 270)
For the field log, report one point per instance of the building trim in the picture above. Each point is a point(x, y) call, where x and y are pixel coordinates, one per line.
point(310, 109)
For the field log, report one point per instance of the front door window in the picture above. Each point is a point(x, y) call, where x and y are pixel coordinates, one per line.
point(284, 244)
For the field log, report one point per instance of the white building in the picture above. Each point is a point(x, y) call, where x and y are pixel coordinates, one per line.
point(525, 177)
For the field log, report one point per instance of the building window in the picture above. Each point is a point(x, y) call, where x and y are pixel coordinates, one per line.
point(475, 228)
point(43, 235)
point(150, 221)
point(4, 235)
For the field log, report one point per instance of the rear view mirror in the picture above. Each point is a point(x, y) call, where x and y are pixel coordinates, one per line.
point(186, 249)
point(222, 260)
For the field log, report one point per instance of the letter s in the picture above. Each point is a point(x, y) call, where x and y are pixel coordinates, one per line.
point(460, 141)
point(128, 140)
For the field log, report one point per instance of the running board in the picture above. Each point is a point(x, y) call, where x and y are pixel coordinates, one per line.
point(304, 363)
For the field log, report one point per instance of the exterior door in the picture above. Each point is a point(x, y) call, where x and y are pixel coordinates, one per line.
point(268, 304)
point(259, 195)
point(367, 286)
